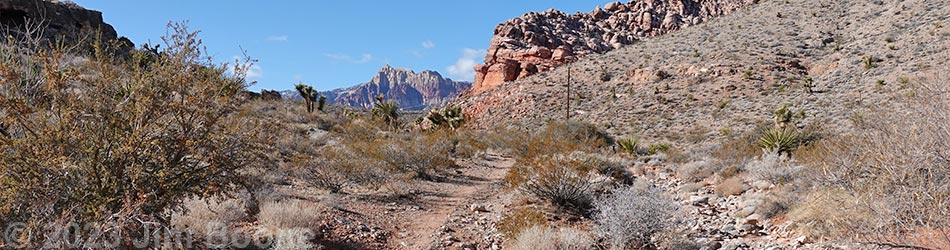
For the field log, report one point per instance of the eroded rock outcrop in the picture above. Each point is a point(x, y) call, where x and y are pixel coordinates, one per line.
point(411, 90)
point(537, 42)
point(58, 21)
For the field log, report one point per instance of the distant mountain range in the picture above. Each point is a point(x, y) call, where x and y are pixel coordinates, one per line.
point(413, 91)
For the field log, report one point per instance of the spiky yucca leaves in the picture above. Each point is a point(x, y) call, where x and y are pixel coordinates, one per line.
point(629, 145)
point(447, 117)
point(386, 110)
point(780, 140)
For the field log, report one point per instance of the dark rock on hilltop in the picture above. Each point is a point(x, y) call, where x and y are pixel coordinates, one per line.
point(59, 21)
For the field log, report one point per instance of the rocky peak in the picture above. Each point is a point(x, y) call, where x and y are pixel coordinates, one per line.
point(537, 42)
point(412, 90)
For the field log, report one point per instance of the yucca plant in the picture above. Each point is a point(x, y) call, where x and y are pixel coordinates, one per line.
point(629, 145)
point(387, 110)
point(780, 140)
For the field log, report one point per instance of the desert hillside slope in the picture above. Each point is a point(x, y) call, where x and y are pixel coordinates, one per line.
point(731, 72)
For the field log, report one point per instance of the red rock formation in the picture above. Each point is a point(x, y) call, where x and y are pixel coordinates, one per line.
point(537, 42)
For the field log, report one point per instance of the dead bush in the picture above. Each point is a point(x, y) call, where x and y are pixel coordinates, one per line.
point(695, 171)
point(630, 216)
point(896, 167)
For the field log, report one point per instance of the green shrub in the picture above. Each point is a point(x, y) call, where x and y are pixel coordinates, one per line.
point(659, 148)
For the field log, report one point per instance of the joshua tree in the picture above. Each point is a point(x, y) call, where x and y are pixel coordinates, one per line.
point(387, 110)
point(322, 103)
point(309, 95)
point(447, 117)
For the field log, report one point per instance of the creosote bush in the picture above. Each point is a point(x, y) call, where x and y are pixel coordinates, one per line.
point(561, 180)
point(87, 139)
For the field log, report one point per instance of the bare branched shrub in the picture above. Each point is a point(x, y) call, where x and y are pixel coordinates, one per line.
point(898, 168)
point(546, 238)
point(85, 139)
point(630, 216)
point(774, 167)
point(695, 171)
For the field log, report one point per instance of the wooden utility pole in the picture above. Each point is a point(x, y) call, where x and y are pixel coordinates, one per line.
point(568, 93)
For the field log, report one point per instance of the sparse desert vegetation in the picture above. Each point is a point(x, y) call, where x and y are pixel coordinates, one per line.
point(788, 135)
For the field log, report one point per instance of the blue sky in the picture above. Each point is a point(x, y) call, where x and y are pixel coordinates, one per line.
point(331, 44)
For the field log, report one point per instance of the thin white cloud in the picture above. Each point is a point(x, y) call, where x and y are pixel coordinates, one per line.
point(365, 58)
point(428, 44)
point(464, 67)
point(280, 38)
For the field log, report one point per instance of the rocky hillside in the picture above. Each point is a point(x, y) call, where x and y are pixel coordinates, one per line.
point(414, 91)
point(538, 42)
point(53, 20)
point(731, 73)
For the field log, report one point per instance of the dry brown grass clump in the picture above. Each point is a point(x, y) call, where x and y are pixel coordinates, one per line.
point(513, 223)
point(546, 238)
point(731, 186)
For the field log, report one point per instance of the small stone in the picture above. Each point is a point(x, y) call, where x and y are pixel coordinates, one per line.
point(746, 211)
point(698, 200)
point(801, 240)
point(478, 208)
point(761, 184)
point(729, 229)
